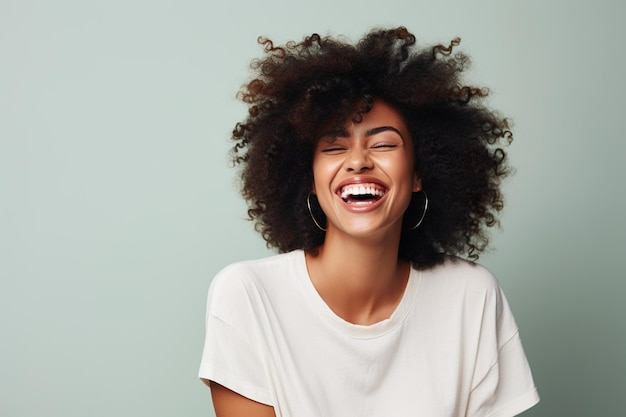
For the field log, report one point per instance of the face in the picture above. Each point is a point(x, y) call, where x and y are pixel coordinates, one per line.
point(364, 174)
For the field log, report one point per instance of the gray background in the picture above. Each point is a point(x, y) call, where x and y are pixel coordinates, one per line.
point(117, 204)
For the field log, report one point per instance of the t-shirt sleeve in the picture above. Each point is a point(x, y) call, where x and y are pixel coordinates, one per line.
point(231, 356)
point(503, 384)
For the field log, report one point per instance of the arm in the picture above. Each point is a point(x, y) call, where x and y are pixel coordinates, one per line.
point(228, 403)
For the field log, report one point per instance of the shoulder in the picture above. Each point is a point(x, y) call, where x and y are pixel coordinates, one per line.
point(243, 284)
point(476, 288)
point(250, 272)
point(461, 274)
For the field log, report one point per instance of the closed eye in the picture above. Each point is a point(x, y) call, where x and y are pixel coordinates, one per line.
point(335, 149)
point(385, 146)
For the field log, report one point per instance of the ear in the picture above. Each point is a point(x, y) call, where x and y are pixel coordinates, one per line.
point(417, 183)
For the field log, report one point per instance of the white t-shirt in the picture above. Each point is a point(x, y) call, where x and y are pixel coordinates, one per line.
point(450, 349)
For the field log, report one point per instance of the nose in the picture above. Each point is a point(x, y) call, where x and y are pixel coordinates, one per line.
point(358, 160)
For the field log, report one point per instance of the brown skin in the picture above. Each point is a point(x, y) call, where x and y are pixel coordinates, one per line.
point(356, 270)
point(365, 294)
point(228, 403)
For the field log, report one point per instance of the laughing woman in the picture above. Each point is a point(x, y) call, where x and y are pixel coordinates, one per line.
point(375, 173)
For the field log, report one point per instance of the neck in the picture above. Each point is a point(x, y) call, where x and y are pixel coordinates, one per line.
point(361, 280)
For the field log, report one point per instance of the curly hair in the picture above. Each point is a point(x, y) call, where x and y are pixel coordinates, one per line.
point(300, 87)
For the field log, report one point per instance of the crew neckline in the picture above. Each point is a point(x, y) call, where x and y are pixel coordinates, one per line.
point(358, 331)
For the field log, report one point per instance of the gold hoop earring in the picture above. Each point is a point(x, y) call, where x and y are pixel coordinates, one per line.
point(308, 205)
point(423, 214)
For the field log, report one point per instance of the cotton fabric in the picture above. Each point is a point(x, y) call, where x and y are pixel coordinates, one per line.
point(450, 349)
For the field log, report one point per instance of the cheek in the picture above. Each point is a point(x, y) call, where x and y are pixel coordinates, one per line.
point(400, 168)
point(323, 173)
point(320, 179)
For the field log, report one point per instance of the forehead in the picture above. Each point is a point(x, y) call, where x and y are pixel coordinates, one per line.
point(380, 114)
point(383, 114)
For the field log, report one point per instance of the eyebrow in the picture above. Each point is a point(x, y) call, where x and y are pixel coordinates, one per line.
point(369, 132)
point(376, 130)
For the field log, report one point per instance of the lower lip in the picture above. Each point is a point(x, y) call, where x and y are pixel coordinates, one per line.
point(362, 207)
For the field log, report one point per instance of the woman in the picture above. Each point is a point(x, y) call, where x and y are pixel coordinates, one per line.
point(372, 170)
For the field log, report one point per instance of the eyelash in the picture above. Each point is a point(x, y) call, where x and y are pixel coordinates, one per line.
point(377, 146)
point(332, 149)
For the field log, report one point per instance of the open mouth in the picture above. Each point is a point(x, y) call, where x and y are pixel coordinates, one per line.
point(362, 193)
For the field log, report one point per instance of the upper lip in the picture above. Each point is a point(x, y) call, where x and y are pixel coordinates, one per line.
point(360, 180)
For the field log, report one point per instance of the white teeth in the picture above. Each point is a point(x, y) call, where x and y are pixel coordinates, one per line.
point(360, 190)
